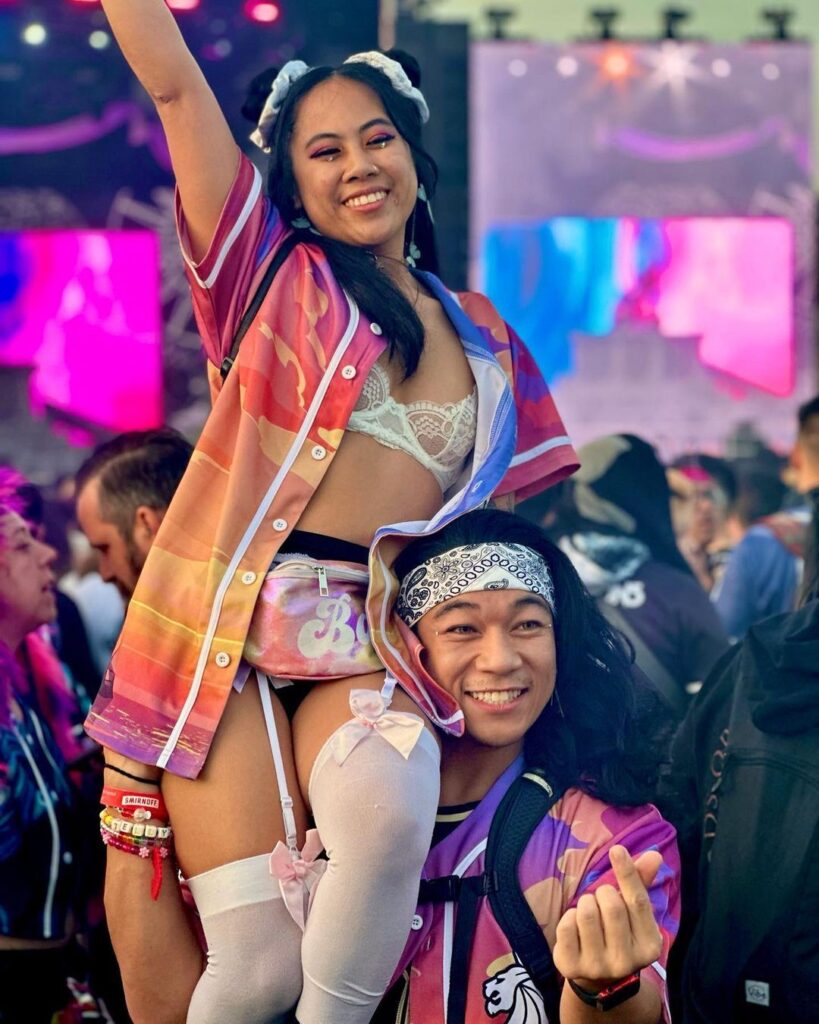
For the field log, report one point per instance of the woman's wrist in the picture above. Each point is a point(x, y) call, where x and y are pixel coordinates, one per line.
point(594, 985)
point(118, 769)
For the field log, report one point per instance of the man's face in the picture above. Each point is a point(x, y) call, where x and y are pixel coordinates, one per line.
point(494, 652)
point(120, 558)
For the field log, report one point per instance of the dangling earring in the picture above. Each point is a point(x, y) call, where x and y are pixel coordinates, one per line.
point(422, 195)
point(413, 252)
point(300, 223)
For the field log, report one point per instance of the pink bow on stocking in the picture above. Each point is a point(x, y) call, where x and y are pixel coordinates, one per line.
point(371, 717)
point(299, 875)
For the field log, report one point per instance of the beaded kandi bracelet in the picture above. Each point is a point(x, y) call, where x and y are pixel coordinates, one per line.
point(139, 838)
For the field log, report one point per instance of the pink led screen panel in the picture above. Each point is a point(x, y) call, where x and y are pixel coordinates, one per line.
point(83, 308)
point(725, 283)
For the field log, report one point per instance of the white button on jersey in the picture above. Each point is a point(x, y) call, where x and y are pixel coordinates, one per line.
point(376, 329)
point(417, 923)
point(222, 659)
point(280, 525)
point(348, 372)
point(248, 577)
point(318, 452)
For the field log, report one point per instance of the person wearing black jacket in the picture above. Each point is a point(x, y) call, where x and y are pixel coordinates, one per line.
point(744, 795)
point(614, 523)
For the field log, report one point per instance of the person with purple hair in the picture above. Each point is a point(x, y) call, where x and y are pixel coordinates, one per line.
point(38, 840)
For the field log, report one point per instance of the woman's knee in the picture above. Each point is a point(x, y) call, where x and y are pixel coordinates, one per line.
point(378, 805)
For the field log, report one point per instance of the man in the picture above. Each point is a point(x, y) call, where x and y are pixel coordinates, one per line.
point(123, 492)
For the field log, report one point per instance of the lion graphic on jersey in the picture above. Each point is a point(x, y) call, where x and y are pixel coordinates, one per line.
point(512, 991)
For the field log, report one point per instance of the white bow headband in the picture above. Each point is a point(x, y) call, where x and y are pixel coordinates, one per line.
point(293, 71)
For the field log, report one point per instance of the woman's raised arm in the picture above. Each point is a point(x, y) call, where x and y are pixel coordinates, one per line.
point(203, 151)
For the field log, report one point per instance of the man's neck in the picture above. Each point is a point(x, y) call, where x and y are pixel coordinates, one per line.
point(470, 769)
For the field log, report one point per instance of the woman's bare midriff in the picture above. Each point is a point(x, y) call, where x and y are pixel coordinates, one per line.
point(369, 485)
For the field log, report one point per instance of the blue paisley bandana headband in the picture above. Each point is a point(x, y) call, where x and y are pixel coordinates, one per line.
point(293, 71)
point(490, 566)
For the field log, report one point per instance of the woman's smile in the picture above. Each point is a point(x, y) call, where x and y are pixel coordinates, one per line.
point(355, 174)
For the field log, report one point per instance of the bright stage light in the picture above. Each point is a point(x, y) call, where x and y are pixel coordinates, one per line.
point(99, 39)
point(617, 64)
point(34, 34)
point(183, 5)
point(567, 66)
point(264, 11)
point(770, 71)
point(518, 68)
point(674, 67)
point(721, 68)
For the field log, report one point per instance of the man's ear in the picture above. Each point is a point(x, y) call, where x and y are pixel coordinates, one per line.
point(146, 525)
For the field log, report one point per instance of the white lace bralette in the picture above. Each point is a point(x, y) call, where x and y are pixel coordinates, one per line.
point(439, 437)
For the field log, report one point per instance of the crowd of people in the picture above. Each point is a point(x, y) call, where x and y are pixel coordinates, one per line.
point(367, 749)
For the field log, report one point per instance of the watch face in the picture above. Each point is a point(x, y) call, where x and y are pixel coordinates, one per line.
point(614, 995)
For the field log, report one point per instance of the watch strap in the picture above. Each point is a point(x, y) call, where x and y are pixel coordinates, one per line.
point(612, 995)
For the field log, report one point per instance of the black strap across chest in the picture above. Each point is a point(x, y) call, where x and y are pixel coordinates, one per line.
point(284, 250)
point(525, 804)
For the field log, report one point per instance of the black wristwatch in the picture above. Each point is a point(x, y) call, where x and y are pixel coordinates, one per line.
point(610, 996)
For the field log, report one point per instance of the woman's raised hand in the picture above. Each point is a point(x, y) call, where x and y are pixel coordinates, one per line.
point(203, 151)
point(611, 933)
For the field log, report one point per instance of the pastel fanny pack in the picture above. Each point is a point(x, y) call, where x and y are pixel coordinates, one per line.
point(310, 622)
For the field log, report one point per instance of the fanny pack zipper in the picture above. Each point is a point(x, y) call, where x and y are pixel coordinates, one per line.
point(307, 569)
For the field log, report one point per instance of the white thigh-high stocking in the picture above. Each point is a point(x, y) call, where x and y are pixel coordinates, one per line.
point(253, 974)
point(375, 813)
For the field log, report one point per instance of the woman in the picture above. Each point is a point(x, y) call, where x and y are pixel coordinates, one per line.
point(38, 810)
point(503, 623)
point(366, 404)
point(615, 526)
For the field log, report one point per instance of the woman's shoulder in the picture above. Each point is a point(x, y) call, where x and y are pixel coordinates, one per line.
point(483, 313)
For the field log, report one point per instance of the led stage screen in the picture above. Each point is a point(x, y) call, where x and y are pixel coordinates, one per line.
point(724, 283)
point(83, 308)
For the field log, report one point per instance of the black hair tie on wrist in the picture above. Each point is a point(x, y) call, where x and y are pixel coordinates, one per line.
point(128, 775)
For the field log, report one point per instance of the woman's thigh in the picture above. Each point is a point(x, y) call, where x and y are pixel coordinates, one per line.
point(327, 707)
point(232, 810)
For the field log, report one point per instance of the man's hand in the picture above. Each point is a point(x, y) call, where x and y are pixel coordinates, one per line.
point(611, 934)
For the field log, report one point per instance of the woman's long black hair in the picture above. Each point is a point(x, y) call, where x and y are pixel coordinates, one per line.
point(598, 737)
point(355, 268)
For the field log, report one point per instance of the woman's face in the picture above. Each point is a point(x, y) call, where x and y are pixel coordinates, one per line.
point(354, 173)
point(494, 652)
point(26, 581)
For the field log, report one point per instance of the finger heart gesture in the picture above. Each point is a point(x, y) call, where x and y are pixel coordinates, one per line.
point(611, 934)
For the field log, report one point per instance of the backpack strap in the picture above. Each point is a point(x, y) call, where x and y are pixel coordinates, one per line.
point(523, 808)
point(472, 892)
point(646, 659)
point(525, 804)
point(280, 256)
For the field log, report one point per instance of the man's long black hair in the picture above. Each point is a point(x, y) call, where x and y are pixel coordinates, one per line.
point(599, 737)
